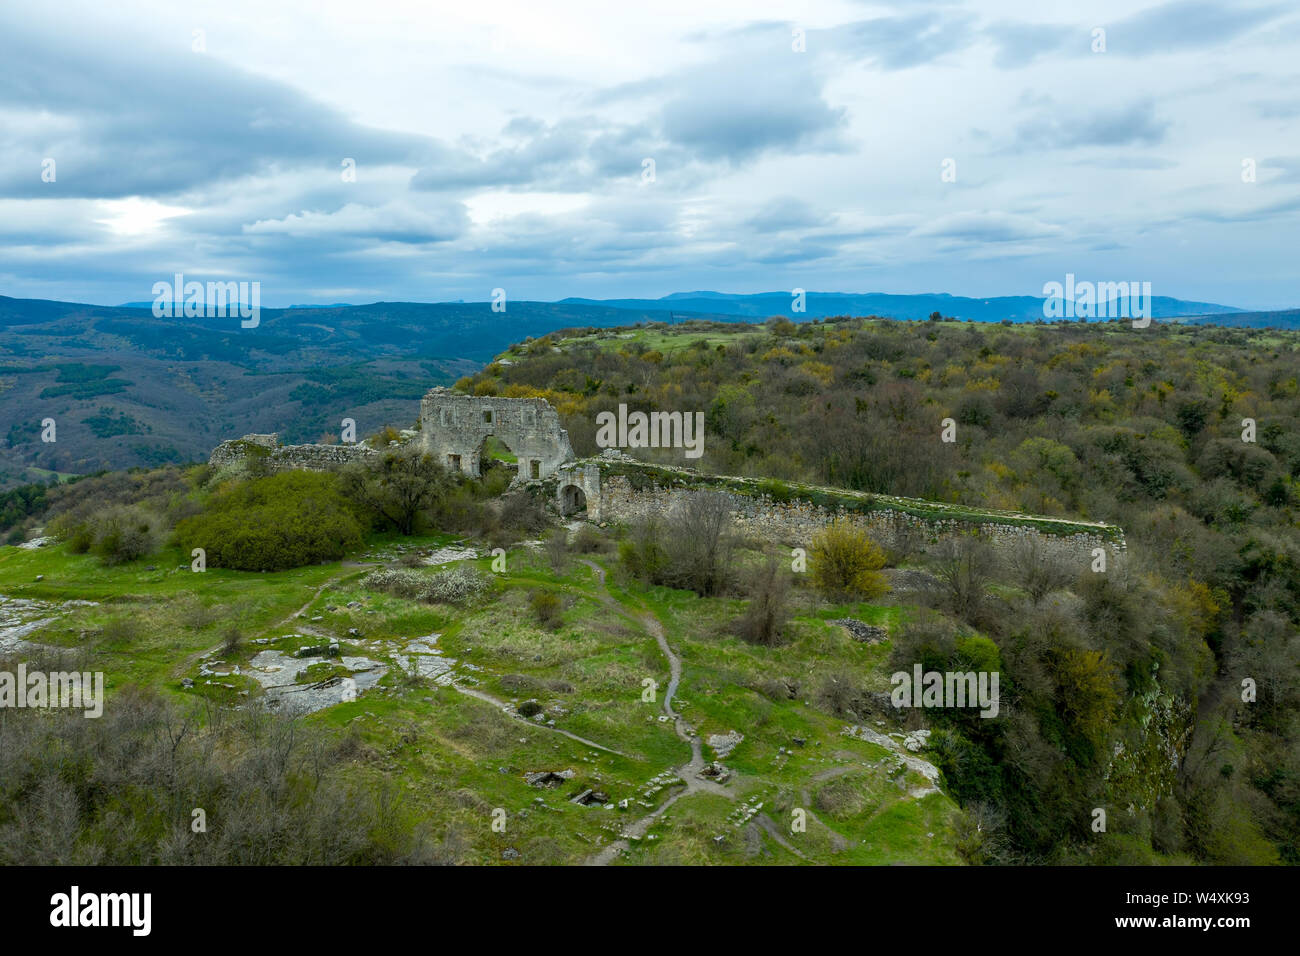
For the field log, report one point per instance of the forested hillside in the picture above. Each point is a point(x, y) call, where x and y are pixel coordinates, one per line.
point(1185, 436)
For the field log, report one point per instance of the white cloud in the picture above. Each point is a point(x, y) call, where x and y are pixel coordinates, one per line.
point(510, 137)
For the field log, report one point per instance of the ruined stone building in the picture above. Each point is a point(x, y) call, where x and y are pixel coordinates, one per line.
point(455, 428)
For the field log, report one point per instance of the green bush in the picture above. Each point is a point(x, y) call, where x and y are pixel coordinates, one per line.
point(846, 563)
point(547, 607)
point(20, 503)
point(775, 489)
point(80, 537)
point(117, 534)
point(269, 524)
point(642, 552)
point(125, 534)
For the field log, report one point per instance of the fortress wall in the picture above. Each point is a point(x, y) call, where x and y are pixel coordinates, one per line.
point(619, 488)
point(795, 522)
point(287, 457)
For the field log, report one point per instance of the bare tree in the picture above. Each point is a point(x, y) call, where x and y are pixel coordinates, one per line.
point(768, 612)
point(964, 567)
point(556, 547)
point(700, 542)
point(1035, 570)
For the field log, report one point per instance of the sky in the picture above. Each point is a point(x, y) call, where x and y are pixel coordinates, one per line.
point(425, 151)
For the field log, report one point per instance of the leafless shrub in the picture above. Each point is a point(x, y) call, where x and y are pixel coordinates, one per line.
point(964, 567)
point(64, 778)
point(588, 540)
point(1039, 573)
point(838, 694)
point(556, 548)
point(768, 612)
point(455, 585)
point(232, 639)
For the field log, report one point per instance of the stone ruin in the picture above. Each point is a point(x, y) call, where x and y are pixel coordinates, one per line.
point(279, 457)
point(455, 429)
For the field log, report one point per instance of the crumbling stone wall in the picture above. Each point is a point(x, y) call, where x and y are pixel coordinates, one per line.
point(615, 498)
point(453, 428)
point(577, 490)
point(279, 457)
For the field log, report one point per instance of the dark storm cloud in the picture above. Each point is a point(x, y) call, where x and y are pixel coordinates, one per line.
point(575, 154)
point(759, 98)
point(393, 222)
point(766, 157)
point(736, 124)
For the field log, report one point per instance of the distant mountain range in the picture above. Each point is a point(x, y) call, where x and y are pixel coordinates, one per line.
point(305, 305)
point(818, 305)
point(1280, 319)
point(1017, 308)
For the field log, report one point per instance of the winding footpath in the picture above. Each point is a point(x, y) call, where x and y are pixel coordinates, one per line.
point(689, 772)
point(509, 710)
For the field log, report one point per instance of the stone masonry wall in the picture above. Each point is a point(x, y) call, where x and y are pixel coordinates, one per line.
point(287, 457)
point(795, 522)
point(453, 428)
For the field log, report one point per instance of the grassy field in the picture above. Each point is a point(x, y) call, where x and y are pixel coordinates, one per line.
point(665, 340)
point(460, 757)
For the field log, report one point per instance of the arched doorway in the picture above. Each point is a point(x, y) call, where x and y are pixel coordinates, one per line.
point(495, 463)
point(573, 500)
point(494, 453)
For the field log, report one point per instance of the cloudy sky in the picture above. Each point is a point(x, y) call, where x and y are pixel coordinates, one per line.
point(505, 145)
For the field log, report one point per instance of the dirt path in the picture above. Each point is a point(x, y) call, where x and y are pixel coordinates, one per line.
point(506, 708)
point(771, 829)
point(688, 772)
point(831, 772)
point(351, 567)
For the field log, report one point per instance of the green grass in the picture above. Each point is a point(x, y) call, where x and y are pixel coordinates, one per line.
point(665, 340)
point(496, 449)
point(456, 759)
